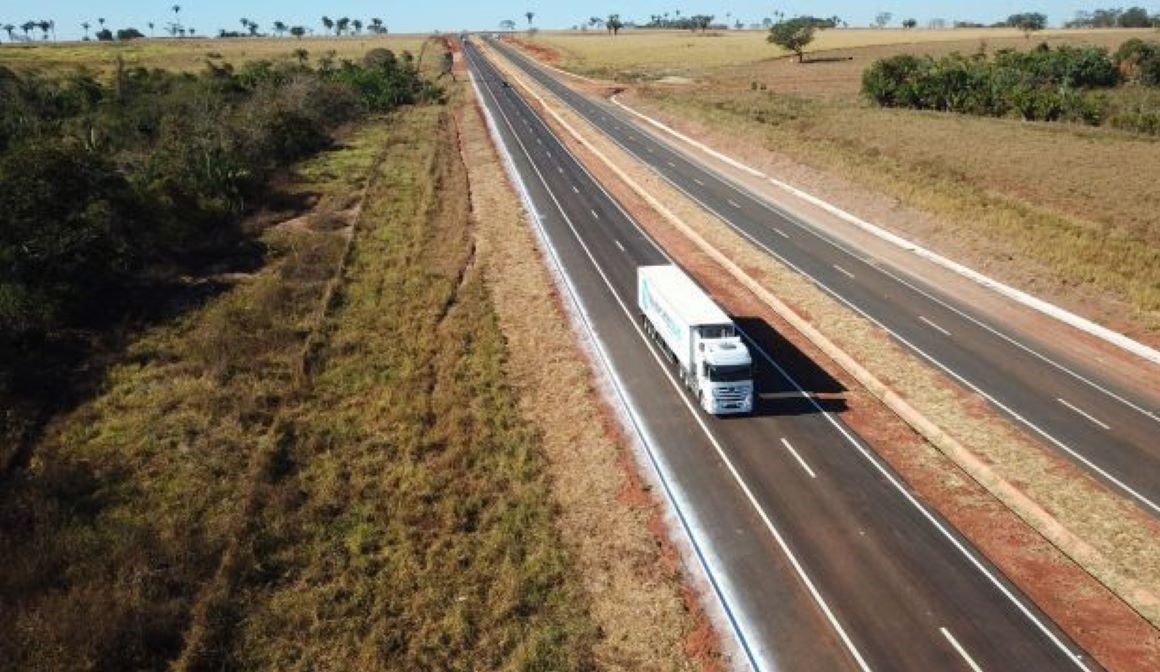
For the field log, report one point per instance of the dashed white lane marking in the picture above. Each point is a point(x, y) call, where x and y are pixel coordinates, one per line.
point(594, 215)
point(698, 182)
point(734, 203)
point(781, 233)
point(961, 651)
point(574, 189)
point(1084, 414)
point(549, 154)
point(671, 164)
point(618, 244)
point(560, 169)
point(539, 141)
point(798, 458)
point(843, 271)
point(934, 326)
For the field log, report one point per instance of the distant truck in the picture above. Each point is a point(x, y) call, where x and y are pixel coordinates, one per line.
point(713, 361)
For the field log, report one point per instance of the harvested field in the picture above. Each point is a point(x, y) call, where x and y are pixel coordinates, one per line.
point(651, 54)
point(192, 54)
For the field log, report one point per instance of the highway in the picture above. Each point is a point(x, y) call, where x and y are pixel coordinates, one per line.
point(822, 558)
point(1107, 427)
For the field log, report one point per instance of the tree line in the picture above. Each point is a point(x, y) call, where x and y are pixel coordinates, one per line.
point(338, 26)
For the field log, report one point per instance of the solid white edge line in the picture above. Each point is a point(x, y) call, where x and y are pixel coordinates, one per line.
point(873, 459)
point(1083, 324)
point(934, 326)
point(798, 457)
point(1084, 413)
point(709, 564)
point(798, 568)
point(961, 651)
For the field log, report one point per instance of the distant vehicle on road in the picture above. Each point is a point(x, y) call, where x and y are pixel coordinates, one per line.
point(712, 360)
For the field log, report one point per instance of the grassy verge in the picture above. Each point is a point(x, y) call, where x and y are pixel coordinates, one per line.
point(245, 494)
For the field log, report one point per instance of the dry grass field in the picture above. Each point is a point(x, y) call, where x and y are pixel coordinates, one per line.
point(650, 54)
point(191, 54)
point(1068, 211)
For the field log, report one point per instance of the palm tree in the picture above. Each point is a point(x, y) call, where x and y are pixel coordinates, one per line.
point(150, 24)
point(327, 23)
point(531, 15)
point(8, 28)
point(52, 26)
point(357, 26)
point(84, 24)
point(279, 28)
point(43, 26)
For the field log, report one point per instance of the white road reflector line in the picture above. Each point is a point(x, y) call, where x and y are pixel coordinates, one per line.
point(1081, 412)
point(798, 458)
point(781, 233)
point(618, 244)
point(934, 326)
point(961, 651)
point(843, 271)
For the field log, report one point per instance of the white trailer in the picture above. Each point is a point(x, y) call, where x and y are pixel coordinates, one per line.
point(712, 360)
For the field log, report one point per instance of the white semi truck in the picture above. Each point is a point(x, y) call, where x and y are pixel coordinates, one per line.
point(713, 361)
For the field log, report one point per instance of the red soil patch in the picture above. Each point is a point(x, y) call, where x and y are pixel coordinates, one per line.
point(540, 51)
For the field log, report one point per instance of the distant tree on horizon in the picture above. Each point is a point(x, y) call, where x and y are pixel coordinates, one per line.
point(882, 19)
point(507, 24)
point(531, 15)
point(298, 31)
point(909, 23)
point(794, 35)
point(613, 24)
point(84, 24)
point(327, 23)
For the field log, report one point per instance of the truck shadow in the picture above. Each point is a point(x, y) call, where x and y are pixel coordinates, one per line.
point(774, 394)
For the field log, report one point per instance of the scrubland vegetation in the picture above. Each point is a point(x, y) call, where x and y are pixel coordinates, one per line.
point(111, 190)
point(312, 458)
point(1043, 84)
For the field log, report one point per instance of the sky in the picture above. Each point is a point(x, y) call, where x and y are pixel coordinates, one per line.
point(207, 16)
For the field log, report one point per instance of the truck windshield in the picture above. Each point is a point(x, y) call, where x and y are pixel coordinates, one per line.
point(730, 374)
point(717, 331)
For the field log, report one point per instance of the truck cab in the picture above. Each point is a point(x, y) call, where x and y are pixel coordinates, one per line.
point(725, 380)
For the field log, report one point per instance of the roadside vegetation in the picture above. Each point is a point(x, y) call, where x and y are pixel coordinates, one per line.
point(314, 455)
point(1044, 84)
point(113, 191)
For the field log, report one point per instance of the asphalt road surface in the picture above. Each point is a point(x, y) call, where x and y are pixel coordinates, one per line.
point(1101, 424)
point(821, 556)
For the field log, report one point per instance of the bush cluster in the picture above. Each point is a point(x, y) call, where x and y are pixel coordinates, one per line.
point(104, 181)
point(1043, 84)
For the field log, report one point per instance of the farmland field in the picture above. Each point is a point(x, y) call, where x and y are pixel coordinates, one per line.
point(191, 54)
point(1069, 211)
